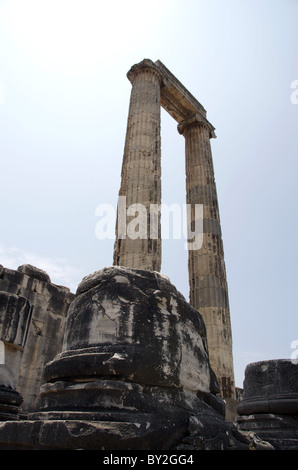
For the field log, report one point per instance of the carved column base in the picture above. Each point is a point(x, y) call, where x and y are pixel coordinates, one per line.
point(270, 402)
point(10, 401)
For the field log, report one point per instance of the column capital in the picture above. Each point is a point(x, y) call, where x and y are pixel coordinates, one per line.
point(145, 65)
point(198, 120)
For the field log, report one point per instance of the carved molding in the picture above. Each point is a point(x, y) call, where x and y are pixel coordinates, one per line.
point(196, 120)
point(175, 98)
point(144, 66)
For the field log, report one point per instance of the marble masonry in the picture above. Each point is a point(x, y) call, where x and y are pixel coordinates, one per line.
point(153, 87)
point(126, 362)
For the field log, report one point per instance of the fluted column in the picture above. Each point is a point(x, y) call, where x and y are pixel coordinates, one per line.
point(207, 274)
point(141, 173)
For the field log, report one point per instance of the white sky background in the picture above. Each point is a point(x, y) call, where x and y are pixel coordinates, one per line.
point(64, 101)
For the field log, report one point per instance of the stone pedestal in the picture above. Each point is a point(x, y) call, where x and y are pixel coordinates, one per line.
point(134, 356)
point(135, 325)
point(270, 402)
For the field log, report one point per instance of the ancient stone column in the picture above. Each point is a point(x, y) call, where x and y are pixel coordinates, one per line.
point(141, 173)
point(207, 275)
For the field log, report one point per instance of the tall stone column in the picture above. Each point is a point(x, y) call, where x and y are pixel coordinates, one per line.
point(141, 173)
point(207, 275)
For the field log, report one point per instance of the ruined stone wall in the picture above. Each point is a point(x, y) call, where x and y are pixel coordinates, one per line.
point(50, 304)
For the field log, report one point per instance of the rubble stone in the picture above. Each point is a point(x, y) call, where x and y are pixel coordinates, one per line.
point(49, 303)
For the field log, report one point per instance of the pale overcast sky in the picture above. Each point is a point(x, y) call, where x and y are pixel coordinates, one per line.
point(64, 101)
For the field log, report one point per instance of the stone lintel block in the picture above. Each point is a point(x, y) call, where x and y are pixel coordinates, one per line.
point(36, 286)
point(139, 327)
point(176, 99)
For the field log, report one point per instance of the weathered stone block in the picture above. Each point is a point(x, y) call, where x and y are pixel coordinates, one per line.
point(270, 402)
point(34, 272)
point(45, 330)
point(133, 373)
point(134, 324)
point(15, 315)
point(270, 387)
